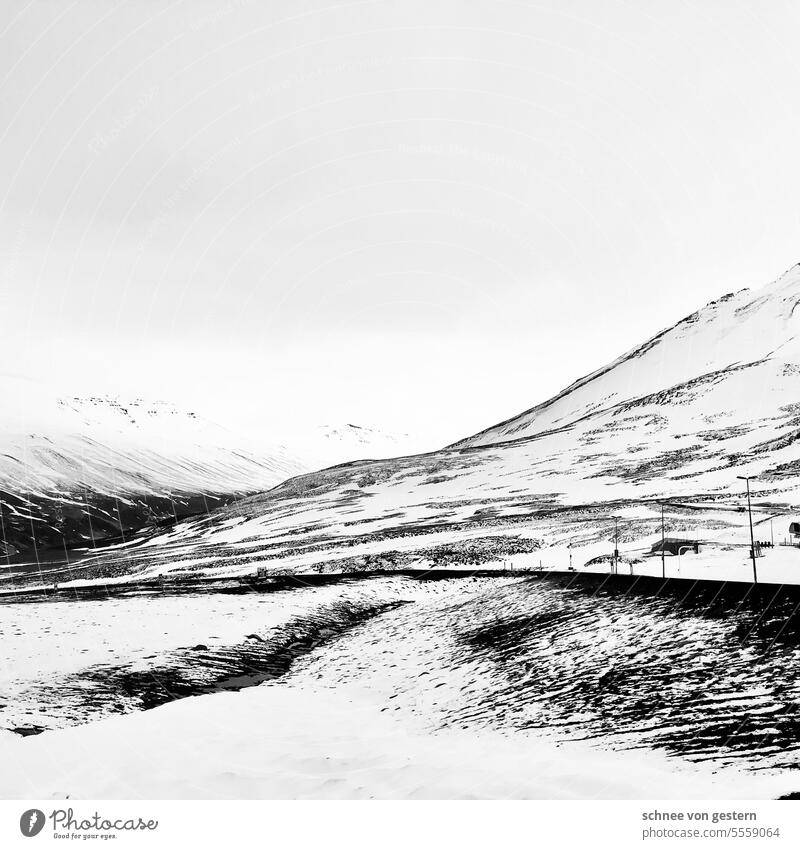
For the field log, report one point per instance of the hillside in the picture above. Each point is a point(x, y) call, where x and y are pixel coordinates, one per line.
point(678, 418)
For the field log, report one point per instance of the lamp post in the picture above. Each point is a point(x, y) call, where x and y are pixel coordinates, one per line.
point(750, 514)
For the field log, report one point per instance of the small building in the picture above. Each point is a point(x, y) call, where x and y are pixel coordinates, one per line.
point(794, 529)
point(674, 545)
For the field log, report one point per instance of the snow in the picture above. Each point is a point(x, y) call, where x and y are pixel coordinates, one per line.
point(46, 640)
point(306, 742)
point(395, 708)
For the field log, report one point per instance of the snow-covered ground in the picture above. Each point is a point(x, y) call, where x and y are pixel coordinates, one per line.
point(477, 688)
point(306, 742)
point(42, 641)
point(44, 645)
point(243, 538)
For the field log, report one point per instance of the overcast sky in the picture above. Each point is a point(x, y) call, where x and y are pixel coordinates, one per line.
point(422, 216)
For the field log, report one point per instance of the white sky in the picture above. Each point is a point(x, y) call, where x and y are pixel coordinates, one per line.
point(421, 215)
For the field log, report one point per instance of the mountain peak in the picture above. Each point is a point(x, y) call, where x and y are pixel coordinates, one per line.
point(736, 329)
point(790, 277)
point(783, 292)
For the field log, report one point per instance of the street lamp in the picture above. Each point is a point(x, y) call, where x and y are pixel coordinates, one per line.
point(615, 557)
point(750, 514)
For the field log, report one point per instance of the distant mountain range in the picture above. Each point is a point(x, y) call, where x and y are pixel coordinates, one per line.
point(680, 417)
point(78, 471)
point(83, 471)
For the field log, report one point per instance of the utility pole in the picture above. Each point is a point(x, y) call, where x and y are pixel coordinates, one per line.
point(616, 545)
point(663, 544)
point(750, 514)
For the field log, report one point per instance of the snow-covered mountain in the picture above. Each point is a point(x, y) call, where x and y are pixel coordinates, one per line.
point(74, 470)
point(679, 418)
point(746, 340)
point(93, 469)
